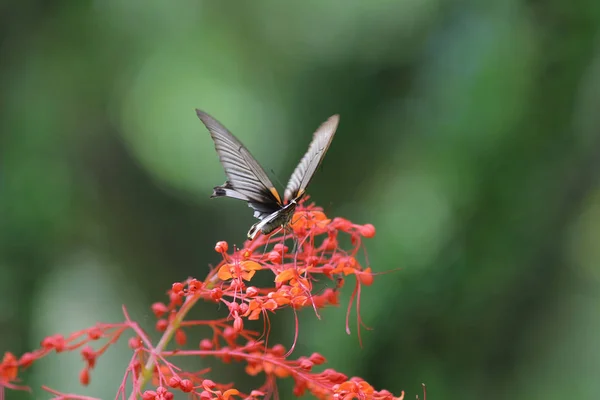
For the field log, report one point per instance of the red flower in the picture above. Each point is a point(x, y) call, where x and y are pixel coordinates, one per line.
point(9, 367)
point(317, 256)
point(244, 269)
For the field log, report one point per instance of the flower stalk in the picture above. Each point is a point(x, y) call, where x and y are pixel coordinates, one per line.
point(153, 373)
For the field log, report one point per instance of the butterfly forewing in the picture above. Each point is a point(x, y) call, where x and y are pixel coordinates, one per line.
point(312, 159)
point(246, 178)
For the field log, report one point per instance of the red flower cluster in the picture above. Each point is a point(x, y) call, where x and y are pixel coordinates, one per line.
point(316, 254)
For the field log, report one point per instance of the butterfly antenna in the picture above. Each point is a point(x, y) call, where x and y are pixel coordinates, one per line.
point(329, 208)
point(295, 240)
point(283, 248)
point(297, 243)
point(281, 184)
point(266, 244)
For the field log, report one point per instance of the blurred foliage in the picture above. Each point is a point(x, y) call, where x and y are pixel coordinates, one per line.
point(469, 136)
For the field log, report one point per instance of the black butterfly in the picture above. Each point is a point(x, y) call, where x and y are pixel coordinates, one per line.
point(246, 180)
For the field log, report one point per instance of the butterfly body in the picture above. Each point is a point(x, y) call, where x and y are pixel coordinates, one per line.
point(246, 179)
point(273, 221)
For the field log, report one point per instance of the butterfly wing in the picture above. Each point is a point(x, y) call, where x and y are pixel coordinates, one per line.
point(312, 159)
point(246, 180)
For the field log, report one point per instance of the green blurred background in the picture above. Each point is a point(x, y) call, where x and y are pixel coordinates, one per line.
point(469, 136)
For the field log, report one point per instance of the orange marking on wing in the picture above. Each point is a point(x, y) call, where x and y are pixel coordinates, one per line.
point(274, 193)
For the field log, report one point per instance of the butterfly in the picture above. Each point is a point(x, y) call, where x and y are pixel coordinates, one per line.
point(247, 180)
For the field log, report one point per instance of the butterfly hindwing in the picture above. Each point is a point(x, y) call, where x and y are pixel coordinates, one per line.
point(311, 160)
point(246, 180)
